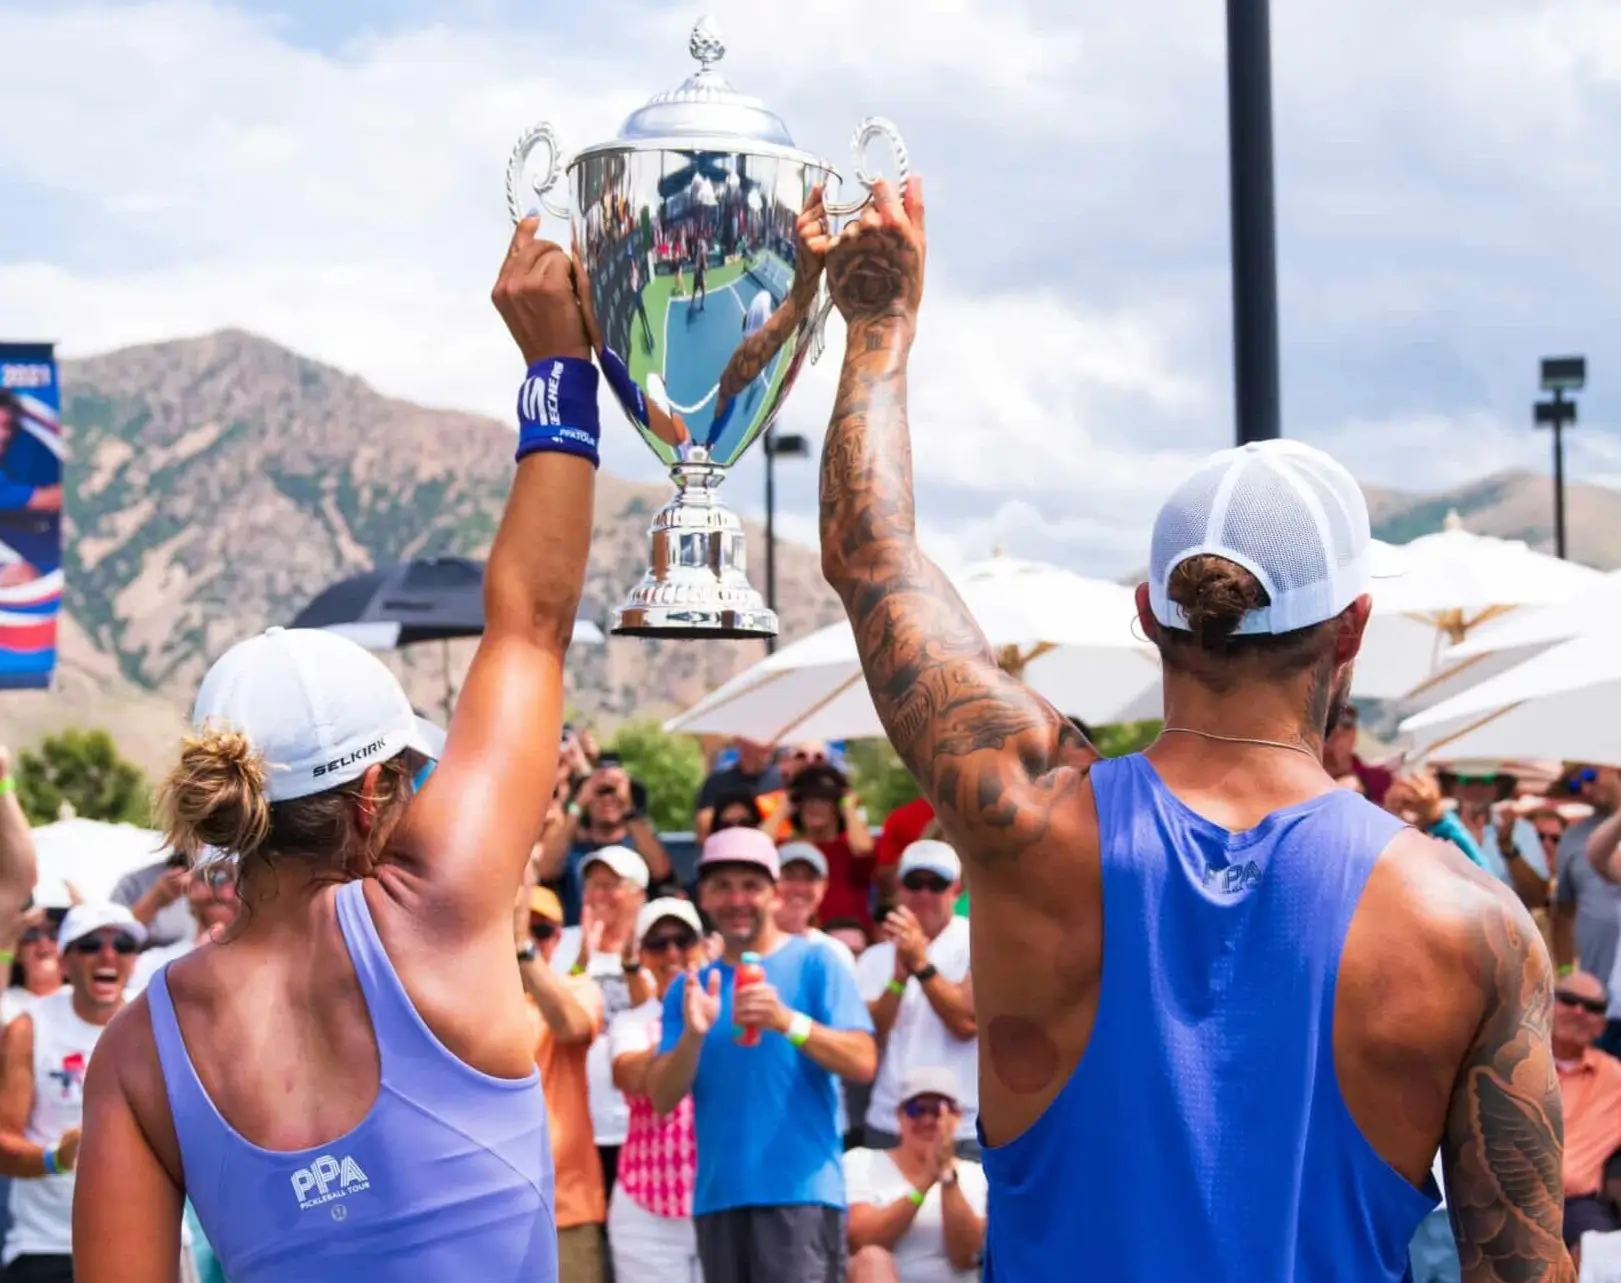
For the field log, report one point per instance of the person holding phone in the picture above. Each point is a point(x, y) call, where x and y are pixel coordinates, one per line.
point(607, 809)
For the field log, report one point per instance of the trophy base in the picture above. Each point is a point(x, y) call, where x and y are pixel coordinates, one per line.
point(697, 586)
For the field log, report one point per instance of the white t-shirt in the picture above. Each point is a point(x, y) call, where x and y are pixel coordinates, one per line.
point(14, 1001)
point(919, 1038)
point(610, 1115)
point(635, 1030)
point(871, 1177)
point(1601, 1258)
point(42, 1209)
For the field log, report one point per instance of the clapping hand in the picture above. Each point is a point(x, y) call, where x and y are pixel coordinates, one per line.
point(902, 930)
point(700, 1003)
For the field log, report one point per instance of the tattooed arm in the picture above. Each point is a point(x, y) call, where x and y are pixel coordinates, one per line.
point(754, 353)
point(1503, 1148)
point(990, 755)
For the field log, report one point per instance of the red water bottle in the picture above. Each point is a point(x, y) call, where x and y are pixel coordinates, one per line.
point(749, 972)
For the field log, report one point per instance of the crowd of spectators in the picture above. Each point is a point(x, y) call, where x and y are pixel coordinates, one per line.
point(819, 1122)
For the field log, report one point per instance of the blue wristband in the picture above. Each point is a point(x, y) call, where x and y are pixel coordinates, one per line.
point(49, 1159)
point(557, 409)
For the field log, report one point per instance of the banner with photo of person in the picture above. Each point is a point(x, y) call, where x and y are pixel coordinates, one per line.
point(31, 454)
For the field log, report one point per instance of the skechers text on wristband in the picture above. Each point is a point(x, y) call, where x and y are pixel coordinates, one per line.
point(557, 409)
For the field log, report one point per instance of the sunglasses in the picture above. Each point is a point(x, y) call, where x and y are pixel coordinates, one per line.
point(542, 930)
point(1548, 837)
point(924, 1107)
point(679, 941)
point(421, 777)
point(1592, 1006)
point(35, 934)
point(925, 882)
point(1587, 775)
point(1476, 779)
point(92, 945)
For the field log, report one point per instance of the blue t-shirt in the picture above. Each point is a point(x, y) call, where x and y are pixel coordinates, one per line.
point(766, 1116)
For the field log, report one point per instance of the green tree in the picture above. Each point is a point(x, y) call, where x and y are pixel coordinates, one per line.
point(82, 768)
point(670, 766)
point(880, 779)
point(1124, 737)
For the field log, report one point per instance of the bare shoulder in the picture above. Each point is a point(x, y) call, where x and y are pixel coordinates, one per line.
point(126, 1063)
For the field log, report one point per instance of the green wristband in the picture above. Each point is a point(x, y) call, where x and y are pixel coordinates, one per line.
point(915, 1198)
point(896, 987)
point(8, 784)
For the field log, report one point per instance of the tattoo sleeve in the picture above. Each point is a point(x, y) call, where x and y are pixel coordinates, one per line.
point(984, 748)
point(1504, 1144)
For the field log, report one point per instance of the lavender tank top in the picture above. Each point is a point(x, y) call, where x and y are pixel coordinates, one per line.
point(448, 1176)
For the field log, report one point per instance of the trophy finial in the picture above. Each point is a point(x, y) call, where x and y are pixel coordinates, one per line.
point(705, 44)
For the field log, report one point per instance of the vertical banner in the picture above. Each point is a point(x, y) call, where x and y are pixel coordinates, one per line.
point(31, 454)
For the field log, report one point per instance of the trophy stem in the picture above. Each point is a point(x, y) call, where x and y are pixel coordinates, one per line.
point(697, 584)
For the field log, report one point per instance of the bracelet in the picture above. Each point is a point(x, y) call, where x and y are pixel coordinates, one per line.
point(915, 1197)
point(896, 986)
point(578, 969)
point(799, 1029)
point(48, 1157)
point(8, 784)
point(557, 410)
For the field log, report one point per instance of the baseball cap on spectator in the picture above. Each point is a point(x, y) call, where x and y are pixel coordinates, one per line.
point(656, 911)
point(622, 860)
point(930, 1080)
point(741, 846)
point(1290, 515)
point(802, 853)
point(318, 708)
point(543, 903)
point(86, 919)
point(930, 856)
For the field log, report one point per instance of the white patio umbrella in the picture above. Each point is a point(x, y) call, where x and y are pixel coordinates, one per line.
point(92, 855)
point(1453, 583)
point(1068, 636)
point(1564, 703)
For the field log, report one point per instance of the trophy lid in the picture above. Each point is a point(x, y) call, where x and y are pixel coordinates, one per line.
point(703, 109)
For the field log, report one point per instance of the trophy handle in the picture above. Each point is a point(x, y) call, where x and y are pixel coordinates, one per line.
point(543, 184)
point(869, 129)
point(818, 330)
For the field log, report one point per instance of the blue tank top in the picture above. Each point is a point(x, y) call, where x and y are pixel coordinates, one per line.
point(1203, 1134)
point(448, 1176)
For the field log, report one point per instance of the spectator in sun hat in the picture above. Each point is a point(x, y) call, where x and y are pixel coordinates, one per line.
point(769, 1201)
point(1508, 843)
point(917, 1209)
point(918, 986)
point(650, 1232)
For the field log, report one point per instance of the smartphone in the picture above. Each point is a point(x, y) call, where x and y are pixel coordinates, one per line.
point(607, 759)
point(177, 861)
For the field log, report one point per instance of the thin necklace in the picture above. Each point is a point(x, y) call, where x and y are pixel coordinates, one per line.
point(1239, 739)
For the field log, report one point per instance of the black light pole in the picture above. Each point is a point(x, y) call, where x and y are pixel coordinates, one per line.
point(1560, 374)
point(1255, 270)
point(788, 446)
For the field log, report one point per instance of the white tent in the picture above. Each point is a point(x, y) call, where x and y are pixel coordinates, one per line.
point(1069, 637)
point(92, 855)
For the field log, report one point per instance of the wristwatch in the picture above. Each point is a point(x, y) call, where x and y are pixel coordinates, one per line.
point(528, 953)
point(928, 972)
point(948, 1179)
point(631, 965)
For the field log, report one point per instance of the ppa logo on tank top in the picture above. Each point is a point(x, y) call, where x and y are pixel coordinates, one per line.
point(326, 1180)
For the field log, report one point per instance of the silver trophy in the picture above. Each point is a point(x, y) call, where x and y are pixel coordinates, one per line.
point(699, 306)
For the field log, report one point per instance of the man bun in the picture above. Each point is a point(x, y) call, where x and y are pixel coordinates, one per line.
point(1215, 594)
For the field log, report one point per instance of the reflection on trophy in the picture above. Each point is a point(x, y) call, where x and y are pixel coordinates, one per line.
point(702, 298)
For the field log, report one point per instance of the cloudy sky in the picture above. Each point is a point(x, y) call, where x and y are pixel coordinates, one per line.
point(330, 175)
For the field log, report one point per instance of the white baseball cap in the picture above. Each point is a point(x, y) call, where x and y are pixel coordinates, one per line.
point(1287, 513)
point(656, 911)
point(622, 860)
point(930, 1080)
point(802, 853)
point(929, 856)
point(86, 919)
point(316, 706)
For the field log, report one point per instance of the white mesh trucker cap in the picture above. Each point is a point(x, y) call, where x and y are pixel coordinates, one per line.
point(317, 707)
point(1290, 515)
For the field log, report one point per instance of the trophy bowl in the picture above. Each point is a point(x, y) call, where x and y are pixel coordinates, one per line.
point(701, 306)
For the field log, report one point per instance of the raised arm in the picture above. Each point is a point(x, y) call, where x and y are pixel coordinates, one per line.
point(472, 828)
point(1502, 1152)
point(19, 860)
point(989, 754)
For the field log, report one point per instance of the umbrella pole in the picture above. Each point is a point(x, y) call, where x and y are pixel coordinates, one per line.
point(450, 689)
